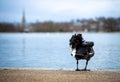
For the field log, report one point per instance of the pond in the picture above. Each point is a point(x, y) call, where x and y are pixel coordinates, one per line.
point(52, 50)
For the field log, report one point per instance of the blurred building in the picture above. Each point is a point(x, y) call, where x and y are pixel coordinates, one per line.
point(76, 26)
point(93, 26)
point(23, 25)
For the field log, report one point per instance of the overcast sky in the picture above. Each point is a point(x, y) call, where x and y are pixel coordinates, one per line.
point(57, 10)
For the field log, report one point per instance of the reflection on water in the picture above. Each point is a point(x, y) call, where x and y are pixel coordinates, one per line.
point(23, 49)
point(51, 50)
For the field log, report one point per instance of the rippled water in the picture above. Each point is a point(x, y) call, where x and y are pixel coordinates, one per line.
point(51, 50)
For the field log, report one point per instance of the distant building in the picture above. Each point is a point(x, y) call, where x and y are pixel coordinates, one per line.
point(101, 26)
point(23, 25)
point(93, 26)
point(77, 26)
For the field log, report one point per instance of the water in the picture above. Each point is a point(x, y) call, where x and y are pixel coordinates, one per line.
point(51, 50)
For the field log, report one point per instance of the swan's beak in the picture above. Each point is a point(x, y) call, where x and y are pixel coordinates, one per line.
point(73, 51)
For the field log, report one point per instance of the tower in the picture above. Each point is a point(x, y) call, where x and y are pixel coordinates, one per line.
point(23, 26)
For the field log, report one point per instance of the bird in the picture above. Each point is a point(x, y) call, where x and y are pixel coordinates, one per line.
point(81, 49)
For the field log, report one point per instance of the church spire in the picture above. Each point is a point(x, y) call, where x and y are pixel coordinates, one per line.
point(23, 22)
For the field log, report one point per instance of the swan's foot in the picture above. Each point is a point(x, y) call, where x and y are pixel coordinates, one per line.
point(82, 70)
point(77, 70)
point(85, 69)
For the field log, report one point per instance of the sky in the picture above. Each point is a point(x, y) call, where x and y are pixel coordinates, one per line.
point(57, 10)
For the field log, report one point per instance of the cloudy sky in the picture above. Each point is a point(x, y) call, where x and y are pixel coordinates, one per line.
point(57, 10)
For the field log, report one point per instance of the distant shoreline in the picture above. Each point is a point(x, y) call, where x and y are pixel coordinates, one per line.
point(58, 32)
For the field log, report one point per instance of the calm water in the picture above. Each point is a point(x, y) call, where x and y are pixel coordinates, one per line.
point(51, 50)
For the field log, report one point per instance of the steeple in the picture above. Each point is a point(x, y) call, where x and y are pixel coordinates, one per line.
point(23, 22)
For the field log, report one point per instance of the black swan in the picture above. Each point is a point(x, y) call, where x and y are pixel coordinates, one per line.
point(81, 49)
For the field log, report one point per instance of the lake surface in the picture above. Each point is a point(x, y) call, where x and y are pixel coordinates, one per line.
point(51, 50)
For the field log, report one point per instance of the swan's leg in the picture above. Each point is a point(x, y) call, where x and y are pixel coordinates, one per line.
point(77, 66)
point(86, 65)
